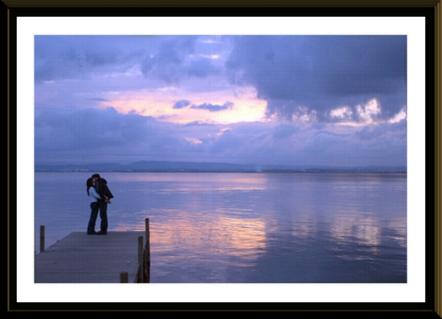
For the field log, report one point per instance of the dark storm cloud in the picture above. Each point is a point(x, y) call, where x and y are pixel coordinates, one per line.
point(313, 146)
point(165, 58)
point(302, 78)
point(90, 134)
point(202, 67)
point(322, 72)
point(175, 60)
point(104, 135)
point(213, 107)
point(65, 57)
point(88, 129)
point(165, 63)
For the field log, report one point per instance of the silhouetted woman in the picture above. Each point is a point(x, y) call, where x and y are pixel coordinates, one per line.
point(95, 198)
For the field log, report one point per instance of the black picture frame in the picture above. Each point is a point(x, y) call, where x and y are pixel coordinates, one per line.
point(430, 9)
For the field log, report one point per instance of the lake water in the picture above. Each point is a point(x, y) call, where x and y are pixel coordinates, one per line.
point(247, 227)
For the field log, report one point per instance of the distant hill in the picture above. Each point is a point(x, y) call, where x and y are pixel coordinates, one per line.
point(169, 166)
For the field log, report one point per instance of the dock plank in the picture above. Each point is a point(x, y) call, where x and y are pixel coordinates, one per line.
point(82, 258)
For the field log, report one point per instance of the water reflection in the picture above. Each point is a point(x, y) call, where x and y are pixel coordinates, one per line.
point(248, 227)
point(221, 235)
point(357, 230)
point(398, 228)
point(304, 228)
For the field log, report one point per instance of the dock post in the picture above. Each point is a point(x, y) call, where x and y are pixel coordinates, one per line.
point(147, 252)
point(42, 238)
point(124, 277)
point(140, 259)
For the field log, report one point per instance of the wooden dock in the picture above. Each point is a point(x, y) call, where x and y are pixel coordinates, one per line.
point(82, 258)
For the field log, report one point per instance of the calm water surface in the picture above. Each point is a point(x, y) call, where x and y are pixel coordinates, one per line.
point(247, 227)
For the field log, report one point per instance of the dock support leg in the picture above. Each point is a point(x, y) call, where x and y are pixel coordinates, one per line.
point(140, 259)
point(147, 253)
point(42, 238)
point(124, 277)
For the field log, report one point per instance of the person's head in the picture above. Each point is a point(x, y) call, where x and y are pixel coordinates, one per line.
point(95, 177)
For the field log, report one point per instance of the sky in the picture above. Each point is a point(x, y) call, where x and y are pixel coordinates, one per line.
point(300, 101)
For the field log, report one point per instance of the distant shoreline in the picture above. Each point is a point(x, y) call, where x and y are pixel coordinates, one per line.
point(210, 167)
point(337, 171)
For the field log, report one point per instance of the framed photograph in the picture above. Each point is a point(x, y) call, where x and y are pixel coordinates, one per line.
point(227, 156)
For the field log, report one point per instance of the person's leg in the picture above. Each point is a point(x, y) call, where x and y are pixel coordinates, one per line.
point(92, 218)
point(103, 216)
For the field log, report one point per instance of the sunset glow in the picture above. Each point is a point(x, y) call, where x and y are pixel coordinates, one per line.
point(159, 104)
point(225, 235)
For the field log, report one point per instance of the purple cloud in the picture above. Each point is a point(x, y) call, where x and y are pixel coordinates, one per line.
point(322, 72)
point(93, 135)
point(317, 90)
point(213, 107)
point(181, 104)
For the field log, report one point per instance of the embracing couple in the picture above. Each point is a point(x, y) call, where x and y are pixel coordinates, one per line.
point(100, 196)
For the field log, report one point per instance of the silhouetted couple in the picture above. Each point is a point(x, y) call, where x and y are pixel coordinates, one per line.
point(100, 196)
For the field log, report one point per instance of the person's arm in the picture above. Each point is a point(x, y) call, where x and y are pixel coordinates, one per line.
point(105, 189)
point(108, 192)
point(93, 193)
